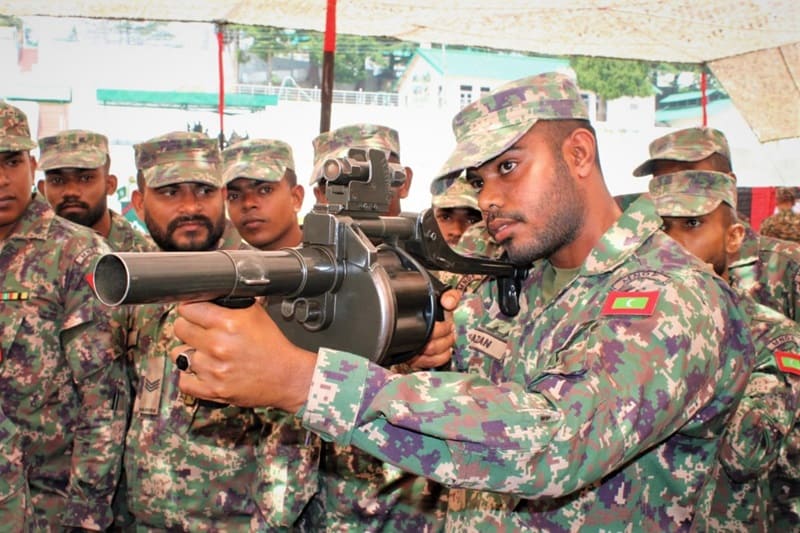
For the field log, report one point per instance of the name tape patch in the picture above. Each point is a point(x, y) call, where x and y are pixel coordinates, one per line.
point(487, 343)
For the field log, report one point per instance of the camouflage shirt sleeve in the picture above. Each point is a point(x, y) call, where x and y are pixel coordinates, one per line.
point(766, 413)
point(97, 366)
point(544, 429)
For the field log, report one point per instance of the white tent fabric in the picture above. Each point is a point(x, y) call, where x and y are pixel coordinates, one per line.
point(751, 46)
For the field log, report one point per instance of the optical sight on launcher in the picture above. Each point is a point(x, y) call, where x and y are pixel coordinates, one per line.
point(360, 282)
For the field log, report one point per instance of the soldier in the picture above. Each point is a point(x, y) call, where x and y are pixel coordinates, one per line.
point(263, 195)
point(77, 180)
point(189, 466)
point(62, 380)
point(76, 166)
point(766, 268)
point(599, 406)
point(263, 199)
point(457, 214)
point(785, 224)
point(699, 211)
point(337, 142)
point(456, 209)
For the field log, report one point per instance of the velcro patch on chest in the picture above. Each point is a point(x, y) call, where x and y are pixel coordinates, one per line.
point(788, 362)
point(11, 296)
point(630, 303)
point(488, 343)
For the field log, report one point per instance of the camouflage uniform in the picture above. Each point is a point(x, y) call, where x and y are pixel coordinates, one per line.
point(84, 149)
point(785, 483)
point(189, 466)
point(257, 159)
point(785, 224)
point(688, 145)
point(600, 409)
point(123, 237)
point(769, 270)
point(288, 456)
point(767, 412)
point(62, 380)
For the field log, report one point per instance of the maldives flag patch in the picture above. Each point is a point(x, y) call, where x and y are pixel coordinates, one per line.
point(788, 362)
point(630, 303)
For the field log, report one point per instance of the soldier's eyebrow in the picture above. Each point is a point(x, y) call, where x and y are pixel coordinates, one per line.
point(10, 155)
point(472, 174)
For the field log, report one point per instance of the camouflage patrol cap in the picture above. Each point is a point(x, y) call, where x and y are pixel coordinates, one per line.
point(179, 157)
point(14, 132)
point(690, 144)
point(490, 126)
point(335, 143)
point(458, 194)
point(692, 192)
point(73, 149)
point(257, 159)
point(784, 194)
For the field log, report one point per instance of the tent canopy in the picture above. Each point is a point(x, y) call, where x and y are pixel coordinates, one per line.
point(751, 46)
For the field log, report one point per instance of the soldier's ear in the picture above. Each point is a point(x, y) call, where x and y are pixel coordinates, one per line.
point(734, 238)
point(137, 200)
point(40, 187)
point(298, 194)
point(111, 184)
point(579, 152)
point(319, 194)
point(403, 192)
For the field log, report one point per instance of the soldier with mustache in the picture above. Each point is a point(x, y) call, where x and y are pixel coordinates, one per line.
point(77, 182)
point(189, 466)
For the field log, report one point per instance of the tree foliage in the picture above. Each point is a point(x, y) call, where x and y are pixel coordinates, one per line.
point(352, 51)
point(613, 78)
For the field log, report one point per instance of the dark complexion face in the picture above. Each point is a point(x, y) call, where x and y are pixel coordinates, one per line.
point(79, 194)
point(265, 213)
point(530, 199)
point(184, 217)
point(711, 237)
point(454, 221)
point(16, 184)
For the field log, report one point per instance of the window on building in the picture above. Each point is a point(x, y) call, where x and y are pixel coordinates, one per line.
point(465, 95)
